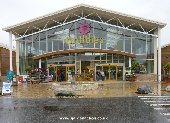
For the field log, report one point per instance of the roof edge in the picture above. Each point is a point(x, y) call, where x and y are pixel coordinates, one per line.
point(8, 28)
point(40, 17)
point(127, 15)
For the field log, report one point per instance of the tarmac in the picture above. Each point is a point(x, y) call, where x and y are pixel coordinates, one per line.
point(112, 102)
point(105, 89)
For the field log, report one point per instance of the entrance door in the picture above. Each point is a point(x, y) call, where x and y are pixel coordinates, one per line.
point(106, 70)
point(69, 68)
point(120, 73)
point(113, 72)
point(52, 72)
point(61, 70)
point(110, 71)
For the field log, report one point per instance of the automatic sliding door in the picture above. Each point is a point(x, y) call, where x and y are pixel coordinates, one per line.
point(106, 70)
point(113, 72)
point(120, 73)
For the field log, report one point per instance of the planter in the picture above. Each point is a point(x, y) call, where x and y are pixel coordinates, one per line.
point(132, 78)
point(167, 79)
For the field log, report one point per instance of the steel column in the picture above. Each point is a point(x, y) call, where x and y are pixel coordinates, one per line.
point(159, 61)
point(10, 51)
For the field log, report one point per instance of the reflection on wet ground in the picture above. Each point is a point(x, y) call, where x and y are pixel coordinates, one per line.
point(116, 102)
point(86, 110)
point(105, 89)
point(42, 90)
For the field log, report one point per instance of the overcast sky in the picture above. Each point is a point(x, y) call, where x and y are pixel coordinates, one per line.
point(16, 11)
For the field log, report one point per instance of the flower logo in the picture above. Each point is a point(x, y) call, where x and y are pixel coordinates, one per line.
point(84, 28)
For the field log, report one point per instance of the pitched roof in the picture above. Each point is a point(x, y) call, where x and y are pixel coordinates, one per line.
point(87, 9)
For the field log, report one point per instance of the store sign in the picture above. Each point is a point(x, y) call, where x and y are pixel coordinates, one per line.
point(84, 28)
point(84, 39)
point(9, 74)
point(6, 88)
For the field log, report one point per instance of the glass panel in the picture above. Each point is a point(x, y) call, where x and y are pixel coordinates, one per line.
point(103, 57)
point(49, 45)
point(139, 46)
point(98, 73)
point(126, 61)
point(35, 49)
point(42, 43)
point(150, 47)
point(120, 73)
point(128, 44)
point(115, 59)
point(112, 72)
point(109, 58)
point(150, 66)
point(121, 59)
point(106, 72)
point(61, 73)
point(114, 40)
point(59, 36)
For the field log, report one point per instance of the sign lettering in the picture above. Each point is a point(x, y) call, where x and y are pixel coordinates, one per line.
point(84, 39)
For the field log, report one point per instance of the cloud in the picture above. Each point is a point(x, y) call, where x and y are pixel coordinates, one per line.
point(16, 11)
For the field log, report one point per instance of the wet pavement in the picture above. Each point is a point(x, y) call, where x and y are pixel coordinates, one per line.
point(105, 89)
point(115, 102)
point(76, 110)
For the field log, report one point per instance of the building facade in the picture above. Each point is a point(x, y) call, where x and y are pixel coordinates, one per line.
point(85, 39)
point(165, 54)
point(5, 60)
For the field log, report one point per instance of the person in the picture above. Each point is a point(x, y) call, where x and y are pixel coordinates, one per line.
point(103, 75)
point(59, 75)
point(97, 75)
point(73, 80)
point(62, 75)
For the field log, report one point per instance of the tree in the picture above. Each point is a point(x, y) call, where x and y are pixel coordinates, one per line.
point(28, 69)
point(135, 66)
point(167, 68)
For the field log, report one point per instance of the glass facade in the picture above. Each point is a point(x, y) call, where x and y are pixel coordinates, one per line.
point(100, 35)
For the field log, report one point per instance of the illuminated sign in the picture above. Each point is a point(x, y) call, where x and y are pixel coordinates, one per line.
point(84, 28)
point(84, 39)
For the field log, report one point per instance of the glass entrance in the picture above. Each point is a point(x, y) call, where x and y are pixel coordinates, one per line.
point(62, 71)
point(106, 70)
point(52, 72)
point(69, 70)
point(120, 73)
point(113, 71)
point(109, 72)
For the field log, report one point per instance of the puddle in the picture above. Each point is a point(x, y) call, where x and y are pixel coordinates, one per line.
point(166, 106)
point(53, 108)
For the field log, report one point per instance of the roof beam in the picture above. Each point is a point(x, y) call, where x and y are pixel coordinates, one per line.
point(99, 17)
point(77, 15)
point(109, 20)
point(16, 33)
point(130, 25)
point(56, 21)
point(66, 18)
point(36, 27)
point(82, 14)
point(152, 29)
point(46, 25)
point(142, 28)
point(85, 19)
point(26, 30)
point(121, 23)
point(89, 14)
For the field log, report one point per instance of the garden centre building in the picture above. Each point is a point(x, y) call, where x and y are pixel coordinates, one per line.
point(85, 39)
